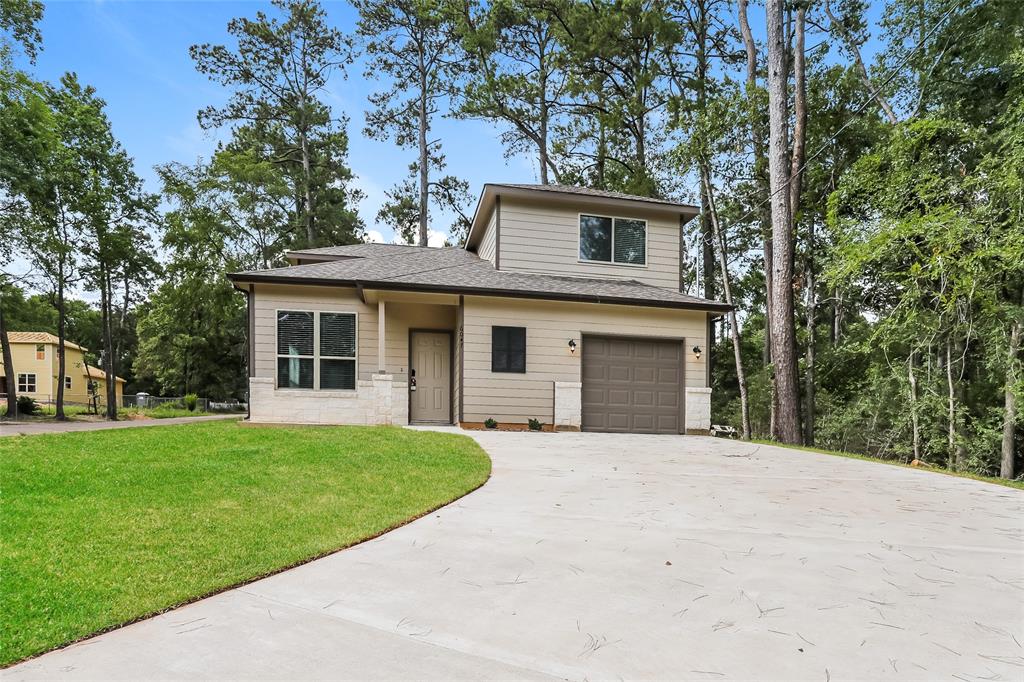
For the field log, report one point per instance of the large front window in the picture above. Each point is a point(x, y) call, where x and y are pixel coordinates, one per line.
point(316, 350)
point(622, 241)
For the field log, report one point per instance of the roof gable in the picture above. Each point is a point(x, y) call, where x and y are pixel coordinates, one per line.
point(596, 197)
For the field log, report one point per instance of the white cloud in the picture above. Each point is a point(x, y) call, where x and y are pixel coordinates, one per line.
point(435, 238)
point(375, 237)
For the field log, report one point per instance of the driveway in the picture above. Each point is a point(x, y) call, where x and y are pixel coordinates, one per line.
point(35, 428)
point(617, 556)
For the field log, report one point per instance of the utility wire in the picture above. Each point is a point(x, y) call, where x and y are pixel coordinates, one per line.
point(858, 110)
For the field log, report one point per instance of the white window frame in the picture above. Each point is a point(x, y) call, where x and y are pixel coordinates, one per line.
point(613, 218)
point(23, 383)
point(316, 357)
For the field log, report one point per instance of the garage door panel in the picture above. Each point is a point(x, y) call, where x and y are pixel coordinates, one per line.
point(646, 375)
point(668, 399)
point(617, 397)
point(632, 385)
point(619, 372)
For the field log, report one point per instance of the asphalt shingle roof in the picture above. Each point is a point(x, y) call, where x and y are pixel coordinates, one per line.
point(455, 270)
point(589, 192)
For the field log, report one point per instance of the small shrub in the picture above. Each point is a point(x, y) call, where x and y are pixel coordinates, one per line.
point(191, 401)
point(491, 423)
point(27, 405)
point(535, 424)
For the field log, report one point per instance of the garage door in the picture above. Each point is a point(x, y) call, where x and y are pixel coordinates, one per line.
point(632, 385)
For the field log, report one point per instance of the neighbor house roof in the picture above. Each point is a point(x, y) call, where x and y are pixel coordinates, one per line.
point(454, 270)
point(40, 337)
point(584, 195)
point(48, 338)
point(97, 373)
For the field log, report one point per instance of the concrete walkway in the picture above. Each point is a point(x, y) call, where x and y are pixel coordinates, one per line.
point(34, 428)
point(592, 556)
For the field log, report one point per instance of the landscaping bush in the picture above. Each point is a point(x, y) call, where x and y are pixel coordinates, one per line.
point(491, 423)
point(27, 405)
point(191, 400)
point(535, 424)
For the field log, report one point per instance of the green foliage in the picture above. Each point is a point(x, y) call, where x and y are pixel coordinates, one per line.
point(288, 150)
point(191, 401)
point(27, 405)
point(491, 423)
point(414, 44)
point(535, 424)
point(20, 20)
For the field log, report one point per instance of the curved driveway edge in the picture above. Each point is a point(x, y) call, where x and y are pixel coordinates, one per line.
point(642, 557)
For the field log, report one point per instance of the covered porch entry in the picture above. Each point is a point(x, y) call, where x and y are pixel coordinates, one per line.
point(418, 348)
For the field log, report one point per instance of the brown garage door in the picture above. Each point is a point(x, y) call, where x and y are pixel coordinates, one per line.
point(632, 385)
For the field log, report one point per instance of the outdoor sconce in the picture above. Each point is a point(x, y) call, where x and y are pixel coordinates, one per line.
point(696, 352)
point(572, 345)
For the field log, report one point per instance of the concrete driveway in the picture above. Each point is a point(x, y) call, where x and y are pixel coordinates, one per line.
point(615, 556)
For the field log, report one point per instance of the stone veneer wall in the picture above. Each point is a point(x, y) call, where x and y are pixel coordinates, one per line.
point(698, 410)
point(568, 405)
point(381, 400)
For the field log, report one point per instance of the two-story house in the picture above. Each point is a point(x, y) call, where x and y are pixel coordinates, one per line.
point(564, 306)
point(36, 364)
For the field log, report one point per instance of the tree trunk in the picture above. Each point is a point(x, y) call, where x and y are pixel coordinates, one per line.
point(809, 353)
point(862, 71)
point(799, 115)
point(424, 156)
point(61, 322)
point(760, 167)
point(734, 330)
point(783, 335)
point(951, 462)
point(1010, 403)
point(108, 346)
point(915, 423)
point(10, 377)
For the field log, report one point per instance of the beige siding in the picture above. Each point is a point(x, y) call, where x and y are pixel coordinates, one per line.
point(549, 326)
point(543, 237)
point(488, 242)
point(399, 318)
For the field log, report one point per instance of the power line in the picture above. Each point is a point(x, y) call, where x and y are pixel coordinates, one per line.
point(858, 110)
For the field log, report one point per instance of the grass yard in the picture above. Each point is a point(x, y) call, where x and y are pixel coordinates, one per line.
point(101, 528)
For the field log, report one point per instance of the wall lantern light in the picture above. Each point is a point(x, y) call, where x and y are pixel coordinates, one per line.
point(696, 352)
point(572, 345)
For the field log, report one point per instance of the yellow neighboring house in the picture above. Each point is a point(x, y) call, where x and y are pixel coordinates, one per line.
point(36, 362)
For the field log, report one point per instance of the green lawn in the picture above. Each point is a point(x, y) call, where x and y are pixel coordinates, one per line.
point(100, 528)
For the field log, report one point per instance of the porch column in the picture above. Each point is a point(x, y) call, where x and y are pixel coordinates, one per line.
point(381, 360)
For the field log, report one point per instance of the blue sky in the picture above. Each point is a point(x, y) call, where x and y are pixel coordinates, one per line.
point(136, 55)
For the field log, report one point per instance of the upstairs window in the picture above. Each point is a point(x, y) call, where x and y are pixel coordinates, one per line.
point(508, 349)
point(40, 351)
point(316, 350)
point(622, 241)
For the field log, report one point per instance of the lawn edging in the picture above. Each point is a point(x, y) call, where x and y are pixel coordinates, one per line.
point(278, 569)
